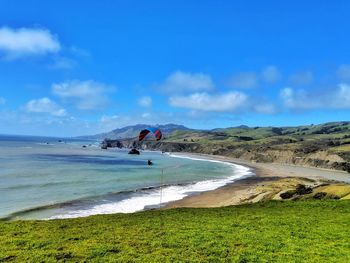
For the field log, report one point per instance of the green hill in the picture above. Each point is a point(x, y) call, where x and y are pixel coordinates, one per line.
point(324, 145)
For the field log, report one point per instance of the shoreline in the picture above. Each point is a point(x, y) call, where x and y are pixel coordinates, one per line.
point(137, 199)
point(252, 182)
point(266, 182)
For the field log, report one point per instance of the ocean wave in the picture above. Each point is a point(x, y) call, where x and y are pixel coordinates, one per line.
point(158, 196)
point(86, 201)
point(131, 200)
point(39, 185)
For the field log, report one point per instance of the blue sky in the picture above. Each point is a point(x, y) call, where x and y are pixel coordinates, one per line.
point(82, 67)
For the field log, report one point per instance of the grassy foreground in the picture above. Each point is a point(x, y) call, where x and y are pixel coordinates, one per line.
point(309, 231)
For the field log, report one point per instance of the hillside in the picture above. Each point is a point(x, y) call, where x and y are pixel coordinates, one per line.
point(305, 231)
point(133, 130)
point(324, 145)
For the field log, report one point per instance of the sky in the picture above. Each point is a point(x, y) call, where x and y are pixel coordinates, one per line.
point(71, 68)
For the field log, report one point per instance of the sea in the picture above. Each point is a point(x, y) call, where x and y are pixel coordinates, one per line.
point(52, 178)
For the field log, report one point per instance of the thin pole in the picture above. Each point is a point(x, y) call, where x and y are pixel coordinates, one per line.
point(161, 188)
point(160, 204)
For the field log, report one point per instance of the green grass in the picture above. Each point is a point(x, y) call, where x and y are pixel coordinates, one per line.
point(327, 131)
point(343, 148)
point(303, 231)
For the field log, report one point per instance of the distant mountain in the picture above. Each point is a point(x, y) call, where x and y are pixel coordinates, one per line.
point(240, 127)
point(133, 131)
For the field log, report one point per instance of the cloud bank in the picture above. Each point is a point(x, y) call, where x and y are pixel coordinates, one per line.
point(2, 101)
point(302, 78)
point(205, 102)
point(271, 74)
point(180, 81)
point(338, 98)
point(343, 72)
point(85, 95)
point(243, 80)
point(15, 43)
point(145, 101)
point(45, 105)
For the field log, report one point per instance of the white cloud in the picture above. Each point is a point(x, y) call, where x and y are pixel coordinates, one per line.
point(265, 108)
point(300, 99)
point(145, 101)
point(343, 96)
point(338, 98)
point(271, 74)
point(180, 81)
point(243, 80)
point(301, 78)
point(287, 94)
point(2, 101)
point(146, 115)
point(111, 122)
point(15, 43)
point(45, 105)
point(63, 63)
point(86, 95)
point(203, 101)
point(343, 72)
point(108, 119)
point(79, 52)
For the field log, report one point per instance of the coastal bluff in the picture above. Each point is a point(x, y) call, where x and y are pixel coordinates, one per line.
point(324, 146)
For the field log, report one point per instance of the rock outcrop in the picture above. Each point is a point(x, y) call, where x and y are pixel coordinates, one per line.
point(134, 151)
point(111, 144)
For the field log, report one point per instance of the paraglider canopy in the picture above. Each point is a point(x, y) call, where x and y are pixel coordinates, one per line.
point(156, 132)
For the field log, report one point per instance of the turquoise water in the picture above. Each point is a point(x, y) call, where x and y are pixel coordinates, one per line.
point(45, 178)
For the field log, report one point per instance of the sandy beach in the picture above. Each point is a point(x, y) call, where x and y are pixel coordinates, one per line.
point(268, 181)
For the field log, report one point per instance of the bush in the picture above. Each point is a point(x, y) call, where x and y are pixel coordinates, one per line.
point(245, 138)
point(346, 167)
point(333, 196)
point(303, 190)
point(278, 131)
point(320, 195)
point(288, 194)
point(300, 190)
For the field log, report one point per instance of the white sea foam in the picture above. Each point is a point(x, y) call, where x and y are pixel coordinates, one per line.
point(162, 195)
point(45, 143)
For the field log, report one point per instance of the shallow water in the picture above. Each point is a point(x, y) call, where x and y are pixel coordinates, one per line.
point(44, 178)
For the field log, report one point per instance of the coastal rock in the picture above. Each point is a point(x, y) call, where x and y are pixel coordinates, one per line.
point(134, 151)
point(104, 146)
point(107, 143)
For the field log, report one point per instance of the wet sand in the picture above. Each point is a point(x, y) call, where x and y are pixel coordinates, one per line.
point(268, 180)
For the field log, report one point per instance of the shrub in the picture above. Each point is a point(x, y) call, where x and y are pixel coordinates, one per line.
point(303, 190)
point(320, 195)
point(277, 131)
point(288, 194)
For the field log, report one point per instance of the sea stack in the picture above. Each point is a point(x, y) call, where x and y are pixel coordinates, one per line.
point(134, 151)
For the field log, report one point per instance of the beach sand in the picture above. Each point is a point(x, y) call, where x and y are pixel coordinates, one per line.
point(268, 181)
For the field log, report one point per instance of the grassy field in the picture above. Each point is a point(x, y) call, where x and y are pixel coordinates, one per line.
point(294, 231)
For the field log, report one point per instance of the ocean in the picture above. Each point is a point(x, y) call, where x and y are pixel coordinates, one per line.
point(49, 178)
